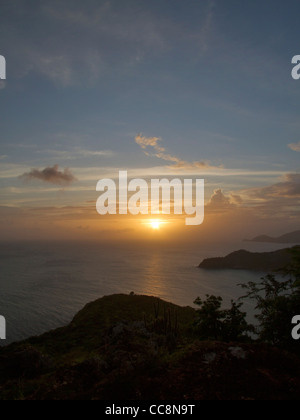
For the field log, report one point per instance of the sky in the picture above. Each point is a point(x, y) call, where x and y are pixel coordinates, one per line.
point(159, 88)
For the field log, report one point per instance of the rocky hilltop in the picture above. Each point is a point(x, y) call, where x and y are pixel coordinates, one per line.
point(141, 348)
point(245, 260)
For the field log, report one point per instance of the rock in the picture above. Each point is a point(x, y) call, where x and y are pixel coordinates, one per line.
point(209, 358)
point(238, 353)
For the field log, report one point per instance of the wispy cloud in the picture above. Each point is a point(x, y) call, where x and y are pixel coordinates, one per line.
point(288, 187)
point(50, 175)
point(93, 153)
point(11, 170)
point(206, 28)
point(272, 202)
point(98, 37)
point(160, 152)
point(277, 201)
point(101, 37)
point(75, 153)
point(295, 146)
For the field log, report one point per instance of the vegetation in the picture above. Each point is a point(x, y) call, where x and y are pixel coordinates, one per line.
point(133, 347)
point(277, 302)
point(219, 324)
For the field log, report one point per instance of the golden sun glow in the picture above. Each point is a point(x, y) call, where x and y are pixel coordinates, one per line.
point(155, 225)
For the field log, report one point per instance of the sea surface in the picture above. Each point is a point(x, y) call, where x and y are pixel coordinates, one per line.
point(43, 285)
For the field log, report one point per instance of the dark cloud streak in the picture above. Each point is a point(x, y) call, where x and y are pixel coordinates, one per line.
point(50, 175)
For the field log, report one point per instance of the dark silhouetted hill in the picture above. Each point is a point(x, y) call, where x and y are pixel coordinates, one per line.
point(245, 260)
point(142, 348)
point(289, 238)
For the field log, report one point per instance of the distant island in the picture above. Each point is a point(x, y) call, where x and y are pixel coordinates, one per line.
point(245, 260)
point(289, 238)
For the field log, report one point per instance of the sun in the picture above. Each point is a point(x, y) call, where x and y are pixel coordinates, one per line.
point(156, 225)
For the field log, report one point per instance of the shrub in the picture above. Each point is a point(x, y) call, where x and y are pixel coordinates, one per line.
point(223, 325)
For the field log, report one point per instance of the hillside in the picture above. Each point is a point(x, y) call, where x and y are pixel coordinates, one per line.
point(289, 238)
point(245, 260)
point(142, 348)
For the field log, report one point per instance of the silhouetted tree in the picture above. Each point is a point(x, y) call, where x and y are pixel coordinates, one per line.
point(277, 302)
point(217, 324)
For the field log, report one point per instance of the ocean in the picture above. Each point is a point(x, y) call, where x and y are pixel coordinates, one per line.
point(43, 285)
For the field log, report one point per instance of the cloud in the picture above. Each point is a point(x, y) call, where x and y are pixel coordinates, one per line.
point(107, 37)
point(206, 28)
point(279, 201)
point(147, 143)
point(99, 37)
point(75, 153)
point(221, 203)
point(92, 153)
point(289, 187)
point(295, 146)
point(50, 175)
point(11, 170)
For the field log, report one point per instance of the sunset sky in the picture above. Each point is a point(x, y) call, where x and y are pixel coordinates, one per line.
point(199, 89)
